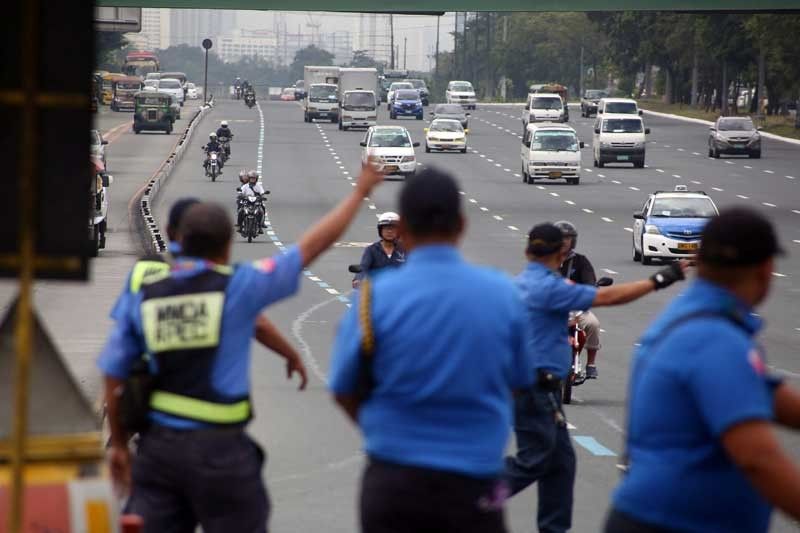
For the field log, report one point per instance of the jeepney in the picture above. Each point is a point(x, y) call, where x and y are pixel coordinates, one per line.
point(152, 111)
point(124, 90)
point(108, 86)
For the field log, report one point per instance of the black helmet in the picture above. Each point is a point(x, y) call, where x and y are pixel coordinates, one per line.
point(569, 231)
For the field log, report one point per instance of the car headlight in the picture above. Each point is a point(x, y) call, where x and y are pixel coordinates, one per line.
point(408, 159)
point(650, 228)
point(310, 108)
point(98, 184)
point(459, 139)
point(573, 164)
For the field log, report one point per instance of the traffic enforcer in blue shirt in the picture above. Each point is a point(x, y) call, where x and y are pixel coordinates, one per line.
point(697, 373)
point(451, 344)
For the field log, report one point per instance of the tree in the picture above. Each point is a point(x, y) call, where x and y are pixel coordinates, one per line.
point(363, 60)
point(109, 47)
point(310, 55)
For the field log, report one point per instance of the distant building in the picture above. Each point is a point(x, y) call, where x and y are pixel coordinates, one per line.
point(155, 30)
point(243, 43)
point(191, 26)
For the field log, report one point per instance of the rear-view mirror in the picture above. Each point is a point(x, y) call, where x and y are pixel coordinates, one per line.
point(581, 144)
point(108, 179)
point(605, 282)
point(597, 131)
point(415, 145)
point(647, 131)
point(599, 111)
point(641, 112)
point(105, 141)
point(712, 128)
point(363, 143)
point(638, 215)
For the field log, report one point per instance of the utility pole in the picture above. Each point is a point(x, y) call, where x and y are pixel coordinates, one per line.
point(580, 83)
point(405, 52)
point(475, 49)
point(207, 45)
point(391, 40)
point(436, 71)
point(489, 80)
point(456, 70)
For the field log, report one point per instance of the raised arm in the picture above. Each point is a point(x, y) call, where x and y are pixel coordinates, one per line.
point(628, 292)
point(269, 335)
point(325, 232)
point(787, 406)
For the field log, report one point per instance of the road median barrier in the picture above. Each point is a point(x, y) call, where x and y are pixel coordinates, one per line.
point(141, 208)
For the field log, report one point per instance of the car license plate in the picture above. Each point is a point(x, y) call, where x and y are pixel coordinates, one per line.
point(390, 168)
point(687, 246)
point(738, 146)
point(555, 174)
point(623, 157)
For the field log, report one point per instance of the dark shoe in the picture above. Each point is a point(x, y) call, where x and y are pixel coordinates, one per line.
point(591, 372)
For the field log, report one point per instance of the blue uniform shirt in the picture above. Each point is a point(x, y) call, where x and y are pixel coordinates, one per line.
point(251, 288)
point(549, 299)
point(451, 343)
point(688, 386)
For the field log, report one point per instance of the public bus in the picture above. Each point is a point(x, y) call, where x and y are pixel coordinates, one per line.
point(140, 63)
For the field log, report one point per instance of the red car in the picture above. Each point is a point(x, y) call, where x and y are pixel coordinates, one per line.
point(288, 94)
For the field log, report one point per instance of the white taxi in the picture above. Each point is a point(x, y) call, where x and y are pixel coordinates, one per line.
point(391, 149)
point(445, 134)
point(670, 224)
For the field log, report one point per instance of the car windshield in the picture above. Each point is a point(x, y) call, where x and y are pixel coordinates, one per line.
point(323, 92)
point(169, 84)
point(128, 85)
point(593, 94)
point(190, 86)
point(418, 84)
point(446, 125)
point(622, 125)
point(406, 95)
point(546, 103)
point(94, 138)
point(736, 124)
point(462, 87)
point(300, 84)
point(359, 100)
point(623, 108)
point(393, 139)
point(401, 85)
point(151, 83)
point(448, 109)
point(289, 91)
point(683, 208)
point(555, 141)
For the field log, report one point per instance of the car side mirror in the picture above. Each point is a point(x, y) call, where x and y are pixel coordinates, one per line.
point(105, 141)
point(108, 179)
point(638, 215)
point(238, 189)
point(605, 282)
point(597, 131)
point(363, 143)
point(759, 128)
point(641, 112)
point(433, 114)
point(266, 192)
point(354, 269)
point(527, 108)
point(712, 128)
point(581, 144)
point(415, 145)
point(647, 131)
point(599, 111)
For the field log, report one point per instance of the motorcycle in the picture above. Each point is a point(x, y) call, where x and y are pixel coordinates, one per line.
point(577, 340)
point(238, 92)
point(355, 269)
point(213, 165)
point(250, 100)
point(226, 148)
point(251, 207)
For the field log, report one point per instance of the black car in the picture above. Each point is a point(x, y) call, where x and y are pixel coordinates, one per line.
point(591, 99)
point(300, 90)
point(451, 111)
point(420, 86)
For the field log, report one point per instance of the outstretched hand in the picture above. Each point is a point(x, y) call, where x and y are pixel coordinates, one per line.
point(294, 364)
point(368, 179)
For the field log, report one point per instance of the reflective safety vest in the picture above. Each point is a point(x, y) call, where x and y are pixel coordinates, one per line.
point(147, 269)
point(182, 321)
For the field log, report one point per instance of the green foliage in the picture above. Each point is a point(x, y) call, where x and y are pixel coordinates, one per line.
point(310, 55)
point(362, 59)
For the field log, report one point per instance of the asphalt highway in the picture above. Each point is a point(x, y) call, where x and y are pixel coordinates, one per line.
point(314, 453)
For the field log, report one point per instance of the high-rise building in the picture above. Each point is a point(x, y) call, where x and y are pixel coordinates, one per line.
point(155, 30)
point(247, 43)
point(191, 26)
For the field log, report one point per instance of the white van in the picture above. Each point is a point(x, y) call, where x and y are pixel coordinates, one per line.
point(543, 107)
point(461, 92)
point(618, 106)
point(358, 110)
point(551, 151)
point(619, 139)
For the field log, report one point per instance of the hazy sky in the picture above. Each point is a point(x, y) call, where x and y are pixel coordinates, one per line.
point(420, 31)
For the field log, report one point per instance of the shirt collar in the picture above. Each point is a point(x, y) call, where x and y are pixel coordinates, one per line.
point(434, 253)
point(197, 264)
point(709, 295)
point(174, 248)
point(538, 268)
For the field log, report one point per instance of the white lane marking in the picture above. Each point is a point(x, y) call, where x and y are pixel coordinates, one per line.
point(697, 182)
point(332, 291)
point(796, 211)
point(372, 206)
point(609, 271)
point(659, 170)
point(667, 146)
point(484, 209)
point(616, 182)
point(629, 230)
point(769, 172)
point(498, 217)
point(767, 204)
point(589, 170)
point(633, 188)
point(498, 165)
point(695, 153)
point(541, 187)
point(600, 176)
point(748, 167)
point(587, 211)
point(730, 162)
point(314, 278)
point(462, 193)
point(554, 194)
point(517, 175)
point(676, 176)
point(483, 155)
point(717, 189)
point(473, 201)
point(742, 196)
point(606, 219)
point(796, 241)
point(681, 150)
point(569, 202)
point(513, 228)
point(490, 160)
point(789, 177)
point(778, 275)
point(506, 170)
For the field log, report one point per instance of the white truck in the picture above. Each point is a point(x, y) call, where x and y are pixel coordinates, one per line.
point(322, 99)
point(357, 98)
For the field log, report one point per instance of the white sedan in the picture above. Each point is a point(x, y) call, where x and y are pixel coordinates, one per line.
point(191, 91)
point(391, 149)
point(445, 134)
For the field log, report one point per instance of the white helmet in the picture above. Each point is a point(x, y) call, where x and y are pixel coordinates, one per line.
point(224, 123)
point(389, 218)
point(212, 135)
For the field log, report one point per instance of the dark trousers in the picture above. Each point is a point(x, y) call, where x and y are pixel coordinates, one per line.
point(618, 522)
point(544, 455)
point(404, 499)
point(208, 477)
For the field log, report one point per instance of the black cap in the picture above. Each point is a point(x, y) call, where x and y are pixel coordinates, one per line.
point(178, 209)
point(545, 239)
point(430, 204)
point(738, 236)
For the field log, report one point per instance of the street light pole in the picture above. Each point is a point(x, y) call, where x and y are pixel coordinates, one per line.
point(207, 44)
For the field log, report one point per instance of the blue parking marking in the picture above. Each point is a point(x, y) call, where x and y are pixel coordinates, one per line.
point(594, 447)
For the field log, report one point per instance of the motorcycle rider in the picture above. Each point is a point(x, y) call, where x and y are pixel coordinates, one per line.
point(577, 267)
point(386, 251)
point(252, 187)
point(237, 87)
point(212, 146)
point(225, 131)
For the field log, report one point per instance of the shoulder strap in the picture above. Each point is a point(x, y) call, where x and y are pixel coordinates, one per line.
point(366, 379)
